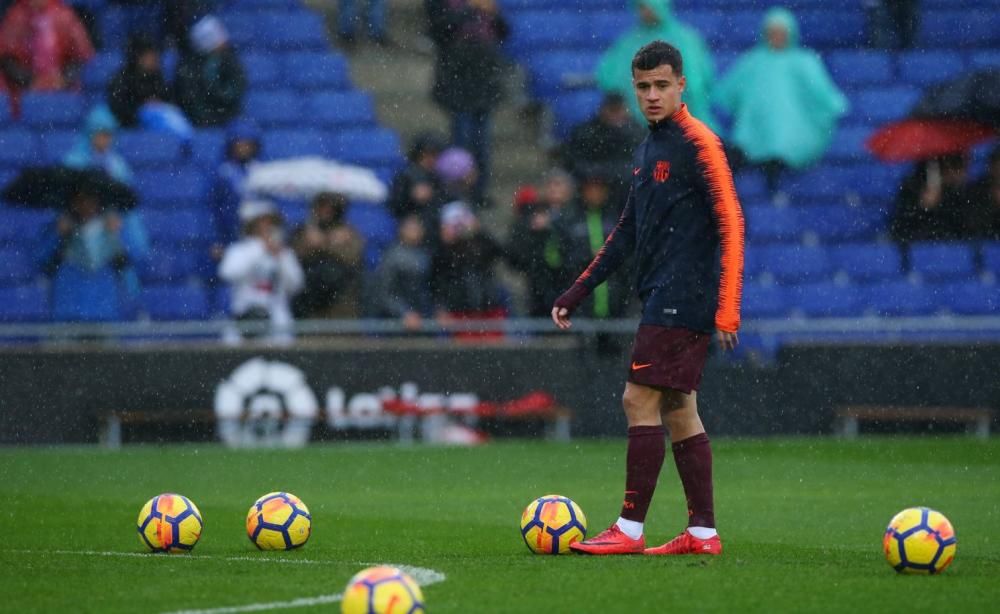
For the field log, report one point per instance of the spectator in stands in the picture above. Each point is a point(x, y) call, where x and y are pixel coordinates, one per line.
point(558, 191)
point(401, 285)
point(456, 168)
point(349, 19)
point(331, 252)
point(263, 273)
point(787, 117)
point(534, 249)
point(468, 75)
point(606, 140)
point(463, 276)
point(91, 256)
point(932, 200)
point(892, 24)
point(657, 22)
point(583, 228)
point(228, 187)
point(417, 189)
point(95, 148)
point(210, 82)
point(140, 81)
point(982, 218)
point(42, 46)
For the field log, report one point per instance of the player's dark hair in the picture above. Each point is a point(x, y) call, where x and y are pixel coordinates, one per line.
point(658, 53)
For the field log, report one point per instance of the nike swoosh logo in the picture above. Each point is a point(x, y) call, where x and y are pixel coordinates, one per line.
point(636, 171)
point(636, 366)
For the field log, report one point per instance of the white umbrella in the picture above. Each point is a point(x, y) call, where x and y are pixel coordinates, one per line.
point(306, 177)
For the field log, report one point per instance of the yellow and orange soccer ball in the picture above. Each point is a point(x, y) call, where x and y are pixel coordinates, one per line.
point(279, 521)
point(382, 590)
point(551, 523)
point(919, 540)
point(169, 523)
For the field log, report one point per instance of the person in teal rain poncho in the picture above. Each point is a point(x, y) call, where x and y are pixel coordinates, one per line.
point(783, 102)
point(94, 149)
point(657, 22)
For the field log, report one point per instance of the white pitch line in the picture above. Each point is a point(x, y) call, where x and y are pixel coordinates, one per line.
point(176, 557)
point(421, 575)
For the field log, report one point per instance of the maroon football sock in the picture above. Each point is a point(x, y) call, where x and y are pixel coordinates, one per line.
point(646, 448)
point(694, 464)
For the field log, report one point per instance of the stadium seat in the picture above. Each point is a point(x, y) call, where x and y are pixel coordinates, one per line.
point(851, 68)
point(28, 303)
point(301, 31)
point(242, 28)
point(554, 72)
point(791, 264)
point(177, 188)
point(51, 110)
point(574, 108)
point(317, 71)
point(342, 109)
point(277, 108)
point(767, 224)
point(765, 301)
point(207, 147)
point(377, 226)
point(369, 147)
point(899, 298)
point(735, 29)
point(147, 148)
point(821, 184)
point(99, 71)
point(24, 226)
point(169, 263)
point(934, 261)
point(263, 71)
point(950, 29)
point(173, 302)
point(842, 28)
point(18, 266)
point(868, 262)
point(279, 144)
point(181, 226)
point(18, 148)
point(991, 257)
point(533, 31)
point(826, 299)
point(923, 68)
point(55, 144)
point(883, 104)
point(838, 223)
point(971, 298)
point(848, 143)
point(605, 26)
point(985, 59)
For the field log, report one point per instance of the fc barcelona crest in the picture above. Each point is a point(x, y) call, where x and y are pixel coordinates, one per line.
point(661, 171)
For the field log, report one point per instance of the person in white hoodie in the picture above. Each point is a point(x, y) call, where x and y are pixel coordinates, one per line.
point(263, 273)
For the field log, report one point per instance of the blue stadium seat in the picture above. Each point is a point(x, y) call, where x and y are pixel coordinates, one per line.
point(985, 59)
point(168, 263)
point(242, 28)
point(605, 26)
point(28, 303)
point(55, 144)
point(838, 223)
point(923, 68)
point(18, 266)
point(301, 30)
point(378, 227)
point(181, 226)
point(369, 147)
point(317, 71)
point(49, 110)
point(848, 143)
point(99, 71)
point(24, 226)
point(574, 108)
point(883, 104)
point(177, 188)
point(263, 71)
point(767, 224)
point(899, 298)
point(176, 302)
point(735, 29)
point(822, 183)
point(5, 117)
point(556, 71)
point(950, 29)
point(279, 144)
point(277, 108)
point(942, 260)
point(826, 299)
point(868, 262)
point(207, 147)
point(851, 68)
point(822, 29)
point(792, 264)
point(765, 301)
point(147, 148)
point(532, 31)
point(750, 185)
point(972, 298)
point(341, 109)
point(991, 257)
point(270, 4)
point(18, 148)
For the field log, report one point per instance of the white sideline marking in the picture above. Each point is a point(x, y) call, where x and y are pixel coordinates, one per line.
point(421, 575)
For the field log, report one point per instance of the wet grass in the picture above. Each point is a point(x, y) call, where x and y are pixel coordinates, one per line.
point(801, 519)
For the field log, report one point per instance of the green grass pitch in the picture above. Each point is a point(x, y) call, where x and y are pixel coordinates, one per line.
point(801, 520)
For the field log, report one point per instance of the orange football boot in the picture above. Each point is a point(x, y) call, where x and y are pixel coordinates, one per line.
point(612, 541)
point(685, 543)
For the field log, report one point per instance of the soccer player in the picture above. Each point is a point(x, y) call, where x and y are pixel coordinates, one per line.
point(683, 225)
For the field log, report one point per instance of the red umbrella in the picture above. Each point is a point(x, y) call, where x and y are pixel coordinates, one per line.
point(921, 139)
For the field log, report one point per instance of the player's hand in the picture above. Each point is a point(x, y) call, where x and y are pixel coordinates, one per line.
point(727, 341)
point(560, 315)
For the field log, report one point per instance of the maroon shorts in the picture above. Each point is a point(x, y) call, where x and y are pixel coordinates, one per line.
point(665, 357)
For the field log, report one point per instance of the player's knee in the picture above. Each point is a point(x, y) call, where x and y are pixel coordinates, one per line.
point(639, 408)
